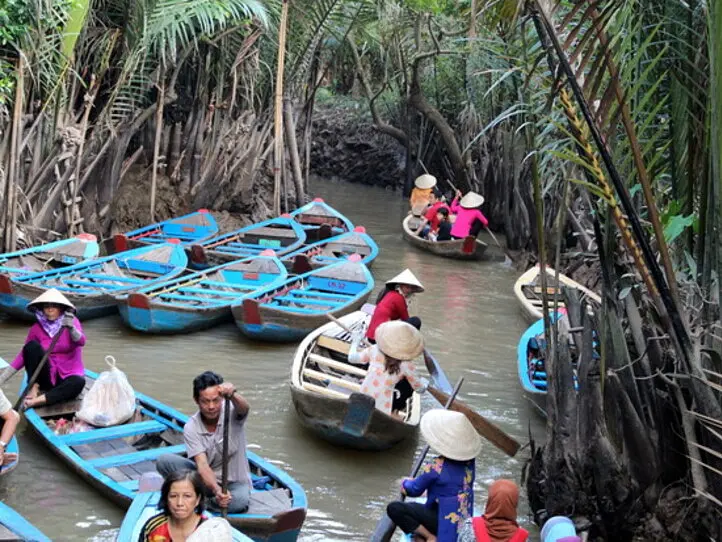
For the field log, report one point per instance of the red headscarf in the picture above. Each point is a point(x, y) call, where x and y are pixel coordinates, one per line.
point(500, 513)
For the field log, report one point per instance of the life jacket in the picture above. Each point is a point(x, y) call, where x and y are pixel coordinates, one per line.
point(483, 536)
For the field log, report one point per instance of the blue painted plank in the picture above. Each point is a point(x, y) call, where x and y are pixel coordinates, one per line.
point(291, 299)
point(135, 457)
point(314, 293)
point(228, 284)
point(100, 276)
point(95, 286)
point(295, 309)
point(210, 291)
point(117, 431)
point(171, 298)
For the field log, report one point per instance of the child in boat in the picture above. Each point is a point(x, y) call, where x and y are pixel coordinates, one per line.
point(421, 193)
point(448, 480)
point(10, 419)
point(469, 219)
point(430, 221)
point(389, 362)
point(62, 378)
point(498, 524)
point(443, 231)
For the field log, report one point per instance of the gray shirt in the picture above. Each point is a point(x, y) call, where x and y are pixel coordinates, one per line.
point(199, 440)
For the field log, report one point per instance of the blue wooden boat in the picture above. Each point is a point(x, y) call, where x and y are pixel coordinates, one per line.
point(113, 459)
point(200, 300)
point(282, 235)
point(320, 220)
point(187, 229)
point(332, 250)
point(292, 310)
point(531, 369)
point(325, 389)
point(144, 507)
point(15, 527)
point(50, 255)
point(93, 286)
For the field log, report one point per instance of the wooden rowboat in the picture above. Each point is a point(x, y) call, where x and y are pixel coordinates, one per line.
point(332, 250)
point(200, 300)
point(282, 235)
point(469, 248)
point(187, 229)
point(291, 311)
point(528, 291)
point(93, 286)
point(49, 256)
point(325, 392)
point(113, 459)
point(320, 220)
point(15, 527)
point(144, 507)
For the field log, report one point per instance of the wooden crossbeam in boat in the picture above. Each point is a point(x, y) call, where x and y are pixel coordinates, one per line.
point(269, 502)
point(324, 391)
point(332, 343)
point(338, 365)
point(317, 375)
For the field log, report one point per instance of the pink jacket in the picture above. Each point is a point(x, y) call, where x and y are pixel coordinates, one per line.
point(464, 219)
point(66, 359)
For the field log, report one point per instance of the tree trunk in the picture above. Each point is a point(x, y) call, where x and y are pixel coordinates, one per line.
point(293, 151)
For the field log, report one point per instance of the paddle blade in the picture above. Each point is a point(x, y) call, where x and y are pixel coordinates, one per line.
point(359, 411)
point(436, 372)
point(484, 427)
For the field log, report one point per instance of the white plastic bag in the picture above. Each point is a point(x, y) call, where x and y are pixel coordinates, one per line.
point(111, 400)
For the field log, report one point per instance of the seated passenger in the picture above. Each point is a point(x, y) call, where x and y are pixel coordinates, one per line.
point(182, 507)
point(62, 377)
point(498, 524)
point(420, 194)
point(443, 233)
point(430, 220)
point(397, 343)
point(469, 219)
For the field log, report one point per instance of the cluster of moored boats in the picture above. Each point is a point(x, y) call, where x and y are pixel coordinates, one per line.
point(278, 280)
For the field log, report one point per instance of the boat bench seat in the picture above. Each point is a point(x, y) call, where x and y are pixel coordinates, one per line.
point(290, 308)
point(269, 502)
point(324, 377)
point(334, 344)
point(324, 391)
point(135, 457)
point(314, 293)
point(116, 431)
point(116, 278)
point(337, 365)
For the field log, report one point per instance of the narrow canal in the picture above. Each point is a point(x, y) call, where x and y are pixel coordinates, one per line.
point(471, 322)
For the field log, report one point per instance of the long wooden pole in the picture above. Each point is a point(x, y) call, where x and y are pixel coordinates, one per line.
point(156, 143)
point(224, 460)
point(278, 113)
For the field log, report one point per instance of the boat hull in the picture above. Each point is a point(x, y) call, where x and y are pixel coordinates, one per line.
point(18, 526)
point(328, 418)
point(276, 325)
point(461, 249)
point(167, 320)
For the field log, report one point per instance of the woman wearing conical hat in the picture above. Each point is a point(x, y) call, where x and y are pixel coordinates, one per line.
point(390, 361)
point(393, 302)
point(447, 479)
point(421, 193)
point(63, 375)
point(469, 218)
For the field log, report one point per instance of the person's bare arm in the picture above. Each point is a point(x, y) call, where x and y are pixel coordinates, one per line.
point(209, 480)
point(242, 407)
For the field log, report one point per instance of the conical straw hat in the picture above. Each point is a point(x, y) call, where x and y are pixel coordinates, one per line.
point(450, 434)
point(50, 296)
point(408, 278)
point(471, 201)
point(399, 340)
point(425, 181)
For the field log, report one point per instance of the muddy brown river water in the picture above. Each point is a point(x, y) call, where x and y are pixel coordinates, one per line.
point(471, 323)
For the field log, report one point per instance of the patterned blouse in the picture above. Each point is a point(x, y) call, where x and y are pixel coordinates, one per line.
point(379, 384)
point(450, 486)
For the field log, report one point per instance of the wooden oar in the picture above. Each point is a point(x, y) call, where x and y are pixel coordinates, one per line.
point(437, 373)
point(484, 427)
point(36, 374)
point(385, 527)
point(224, 464)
